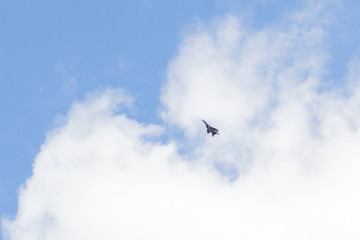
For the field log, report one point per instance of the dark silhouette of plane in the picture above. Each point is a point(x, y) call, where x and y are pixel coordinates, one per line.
point(211, 129)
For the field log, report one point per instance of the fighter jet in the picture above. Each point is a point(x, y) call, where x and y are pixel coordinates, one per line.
point(211, 129)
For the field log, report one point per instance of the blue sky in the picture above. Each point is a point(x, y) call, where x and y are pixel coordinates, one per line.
point(54, 53)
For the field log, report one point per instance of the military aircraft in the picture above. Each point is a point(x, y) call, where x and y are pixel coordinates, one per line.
point(211, 129)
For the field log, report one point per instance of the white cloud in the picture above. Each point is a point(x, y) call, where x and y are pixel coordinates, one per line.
point(101, 175)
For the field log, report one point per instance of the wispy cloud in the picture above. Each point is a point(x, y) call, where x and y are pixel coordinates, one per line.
point(292, 146)
point(118, 70)
point(69, 80)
